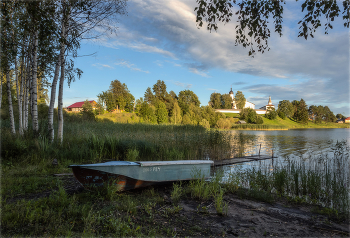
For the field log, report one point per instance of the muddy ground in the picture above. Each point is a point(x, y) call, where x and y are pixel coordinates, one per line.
point(245, 217)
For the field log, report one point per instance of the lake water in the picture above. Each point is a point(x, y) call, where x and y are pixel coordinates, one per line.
point(292, 142)
point(286, 144)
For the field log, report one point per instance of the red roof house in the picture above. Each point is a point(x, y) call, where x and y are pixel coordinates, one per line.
point(347, 120)
point(78, 106)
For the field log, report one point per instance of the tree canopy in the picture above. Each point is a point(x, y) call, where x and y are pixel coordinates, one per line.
point(240, 100)
point(253, 18)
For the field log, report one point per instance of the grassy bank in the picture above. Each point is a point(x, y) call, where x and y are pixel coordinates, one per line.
point(319, 180)
point(290, 124)
point(35, 203)
point(49, 210)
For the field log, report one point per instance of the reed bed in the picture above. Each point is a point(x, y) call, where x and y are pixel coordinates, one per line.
point(320, 179)
point(258, 127)
point(96, 141)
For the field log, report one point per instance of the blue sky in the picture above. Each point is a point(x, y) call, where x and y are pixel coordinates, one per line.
point(160, 40)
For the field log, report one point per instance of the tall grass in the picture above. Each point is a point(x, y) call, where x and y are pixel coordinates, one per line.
point(97, 141)
point(259, 127)
point(319, 179)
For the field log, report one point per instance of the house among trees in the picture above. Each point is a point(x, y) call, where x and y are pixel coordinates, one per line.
point(236, 101)
point(78, 106)
point(246, 105)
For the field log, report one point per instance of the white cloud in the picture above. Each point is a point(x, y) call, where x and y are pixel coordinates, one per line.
point(201, 73)
point(101, 66)
point(130, 66)
point(168, 28)
point(183, 85)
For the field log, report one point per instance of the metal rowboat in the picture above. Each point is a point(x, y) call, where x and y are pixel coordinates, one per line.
point(129, 175)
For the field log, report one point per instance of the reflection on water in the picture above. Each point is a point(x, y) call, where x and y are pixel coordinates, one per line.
point(288, 143)
point(291, 145)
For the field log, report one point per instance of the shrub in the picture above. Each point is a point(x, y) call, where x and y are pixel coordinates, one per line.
point(259, 119)
point(223, 123)
point(204, 123)
point(271, 114)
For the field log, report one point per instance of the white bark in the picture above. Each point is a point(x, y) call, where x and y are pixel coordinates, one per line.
point(26, 103)
point(19, 100)
point(1, 89)
point(34, 84)
point(12, 120)
point(60, 91)
point(60, 103)
point(53, 94)
point(22, 91)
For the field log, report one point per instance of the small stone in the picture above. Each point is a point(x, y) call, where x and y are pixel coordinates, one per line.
point(54, 162)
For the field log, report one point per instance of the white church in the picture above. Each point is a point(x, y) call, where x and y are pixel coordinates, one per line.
point(251, 105)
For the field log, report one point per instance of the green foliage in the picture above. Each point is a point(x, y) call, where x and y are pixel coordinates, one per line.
point(259, 119)
point(119, 96)
point(226, 101)
point(177, 192)
point(285, 109)
point(340, 116)
point(204, 123)
point(159, 90)
point(147, 113)
point(215, 100)
point(302, 112)
point(271, 114)
point(240, 100)
point(249, 115)
point(321, 114)
point(220, 101)
point(186, 120)
point(186, 98)
point(161, 113)
point(132, 154)
point(281, 115)
point(224, 123)
point(149, 97)
point(88, 112)
point(176, 117)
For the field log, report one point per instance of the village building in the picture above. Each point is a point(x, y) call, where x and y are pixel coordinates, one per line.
point(233, 103)
point(251, 105)
point(78, 106)
point(347, 120)
point(268, 106)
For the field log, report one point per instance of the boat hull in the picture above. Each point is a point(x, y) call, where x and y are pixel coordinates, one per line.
point(130, 175)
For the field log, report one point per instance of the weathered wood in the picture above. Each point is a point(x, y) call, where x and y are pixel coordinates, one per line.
point(242, 160)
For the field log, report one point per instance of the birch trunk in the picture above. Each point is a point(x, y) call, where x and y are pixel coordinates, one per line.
point(34, 85)
point(19, 100)
point(60, 103)
point(12, 120)
point(53, 95)
point(21, 94)
point(1, 89)
point(26, 103)
point(60, 92)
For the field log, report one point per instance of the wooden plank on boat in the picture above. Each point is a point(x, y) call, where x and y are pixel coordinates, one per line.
point(242, 160)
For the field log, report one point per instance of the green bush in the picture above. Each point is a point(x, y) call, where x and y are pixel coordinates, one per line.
point(223, 123)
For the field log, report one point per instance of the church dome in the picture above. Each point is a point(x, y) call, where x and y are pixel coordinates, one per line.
point(231, 92)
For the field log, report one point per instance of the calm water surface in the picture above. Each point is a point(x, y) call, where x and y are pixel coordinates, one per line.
point(290, 144)
point(293, 142)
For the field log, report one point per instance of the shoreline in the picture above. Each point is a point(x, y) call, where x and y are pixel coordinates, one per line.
point(187, 217)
